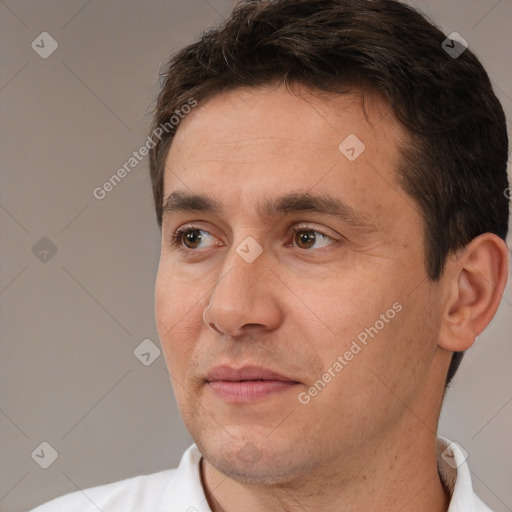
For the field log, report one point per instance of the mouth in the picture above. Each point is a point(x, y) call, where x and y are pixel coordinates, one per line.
point(247, 384)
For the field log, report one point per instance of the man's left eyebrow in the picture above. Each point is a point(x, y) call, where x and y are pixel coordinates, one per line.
point(321, 204)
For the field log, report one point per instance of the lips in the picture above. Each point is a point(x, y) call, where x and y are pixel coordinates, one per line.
point(227, 373)
point(247, 384)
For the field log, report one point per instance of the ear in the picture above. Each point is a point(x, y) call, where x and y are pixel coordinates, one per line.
point(476, 277)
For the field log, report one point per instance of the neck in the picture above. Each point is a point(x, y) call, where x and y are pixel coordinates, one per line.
point(395, 473)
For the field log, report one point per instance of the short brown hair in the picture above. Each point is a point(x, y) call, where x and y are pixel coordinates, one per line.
point(454, 165)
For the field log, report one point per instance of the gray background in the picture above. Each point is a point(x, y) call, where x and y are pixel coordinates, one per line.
point(69, 325)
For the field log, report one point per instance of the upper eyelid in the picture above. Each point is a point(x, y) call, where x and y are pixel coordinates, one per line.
point(191, 227)
point(308, 227)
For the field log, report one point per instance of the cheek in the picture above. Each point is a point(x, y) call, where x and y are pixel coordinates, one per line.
point(175, 295)
point(364, 329)
point(178, 314)
point(165, 306)
point(395, 360)
point(353, 303)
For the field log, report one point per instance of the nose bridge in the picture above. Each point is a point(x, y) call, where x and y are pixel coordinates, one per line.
point(241, 295)
point(238, 278)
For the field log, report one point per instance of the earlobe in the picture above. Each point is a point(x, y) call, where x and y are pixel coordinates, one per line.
point(477, 277)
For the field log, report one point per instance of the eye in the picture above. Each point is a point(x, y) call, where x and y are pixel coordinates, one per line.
point(306, 237)
point(192, 237)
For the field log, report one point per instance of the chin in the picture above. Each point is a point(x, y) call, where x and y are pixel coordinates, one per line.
point(254, 459)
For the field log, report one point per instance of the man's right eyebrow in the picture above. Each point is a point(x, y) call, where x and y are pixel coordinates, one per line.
point(184, 202)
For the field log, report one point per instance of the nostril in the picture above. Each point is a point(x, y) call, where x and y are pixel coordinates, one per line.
point(212, 325)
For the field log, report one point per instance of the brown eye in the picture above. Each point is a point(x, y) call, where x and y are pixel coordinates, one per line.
point(191, 238)
point(305, 239)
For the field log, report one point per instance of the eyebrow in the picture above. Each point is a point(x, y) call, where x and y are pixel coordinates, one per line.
point(290, 203)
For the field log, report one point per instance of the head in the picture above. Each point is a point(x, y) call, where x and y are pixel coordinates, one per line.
point(400, 256)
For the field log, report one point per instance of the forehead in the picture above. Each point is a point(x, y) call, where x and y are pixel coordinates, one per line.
point(252, 143)
point(244, 117)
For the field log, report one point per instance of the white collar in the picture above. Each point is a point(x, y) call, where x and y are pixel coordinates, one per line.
point(454, 472)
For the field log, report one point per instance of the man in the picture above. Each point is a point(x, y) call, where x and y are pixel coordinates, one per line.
point(329, 181)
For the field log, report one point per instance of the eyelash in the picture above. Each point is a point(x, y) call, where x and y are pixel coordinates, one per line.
point(177, 237)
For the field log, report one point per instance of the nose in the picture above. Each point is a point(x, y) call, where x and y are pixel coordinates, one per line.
point(244, 298)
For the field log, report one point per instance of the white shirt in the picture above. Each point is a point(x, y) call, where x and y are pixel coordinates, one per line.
point(180, 489)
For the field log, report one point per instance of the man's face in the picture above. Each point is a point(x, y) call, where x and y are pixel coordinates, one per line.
point(288, 350)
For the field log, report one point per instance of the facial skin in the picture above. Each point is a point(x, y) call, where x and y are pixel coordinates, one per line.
point(366, 440)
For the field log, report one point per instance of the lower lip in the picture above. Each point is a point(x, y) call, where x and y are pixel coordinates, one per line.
point(249, 390)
